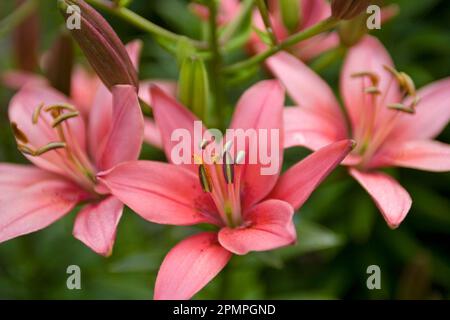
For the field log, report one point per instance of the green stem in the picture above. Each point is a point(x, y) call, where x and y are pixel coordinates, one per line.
point(314, 30)
point(216, 64)
point(232, 27)
point(17, 17)
point(142, 23)
point(266, 19)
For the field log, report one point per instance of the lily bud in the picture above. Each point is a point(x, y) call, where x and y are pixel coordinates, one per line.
point(26, 41)
point(347, 9)
point(351, 31)
point(58, 63)
point(291, 12)
point(193, 88)
point(101, 46)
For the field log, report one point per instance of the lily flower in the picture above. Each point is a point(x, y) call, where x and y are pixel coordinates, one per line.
point(251, 211)
point(66, 157)
point(392, 123)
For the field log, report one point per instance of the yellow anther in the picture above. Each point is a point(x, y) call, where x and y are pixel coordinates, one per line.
point(49, 147)
point(60, 107)
point(401, 107)
point(205, 179)
point(63, 117)
point(372, 76)
point(19, 134)
point(372, 90)
point(37, 113)
point(403, 79)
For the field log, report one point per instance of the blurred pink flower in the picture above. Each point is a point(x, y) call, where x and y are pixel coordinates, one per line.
point(67, 153)
point(253, 212)
point(399, 135)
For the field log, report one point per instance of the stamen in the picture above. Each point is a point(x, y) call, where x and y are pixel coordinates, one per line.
point(372, 90)
point(26, 150)
point(402, 107)
point(35, 153)
point(60, 107)
point(204, 143)
point(37, 113)
point(404, 80)
point(372, 76)
point(205, 179)
point(228, 168)
point(227, 146)
point(63, 117)
point(19, 134)
point(240, 157)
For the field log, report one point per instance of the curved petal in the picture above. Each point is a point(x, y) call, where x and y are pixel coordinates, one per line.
point(37, 206)
point(172, 118)
point(259, 111)
point(189, 266)
point(125, 137)
point(426, 155)
point(305, 127)
point(159, 192)
point(308, 90)
point(368, 55)
point(21, 109)
point(268, 225)
point(168, 86)
point(84, 86)
point(96, 225)
point(15, 177)
point(17, 79)
point(134, 49)
point(432, 113)
point(152, 135)
point(390, 197)
point(299, 181)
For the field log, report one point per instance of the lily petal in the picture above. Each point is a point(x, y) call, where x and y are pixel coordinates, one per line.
point(189, 266)
point(125, 137)
point(159, 192)
point(426, 155)
point(310, 92)
point(96, 225)
point(134, 49)
point(84, 86)
point(305, 127)
point(368, 55)
point(152, 135)
point(260, 107)
point(168, 86)
point(36, 207)
point(390, 197)
point(298, 182)
point(268, 225)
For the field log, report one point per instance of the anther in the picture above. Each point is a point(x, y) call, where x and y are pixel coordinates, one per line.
point(404, 80)
point(240, 157)
point(372, 76)
point(37, 113)
point(204, 143)
point(19, 134)
point(60, 107)
point(205, 180)
point(228, 167)
point(48, 147)
point(372, 90)
point(402, 107)
point(63, 117)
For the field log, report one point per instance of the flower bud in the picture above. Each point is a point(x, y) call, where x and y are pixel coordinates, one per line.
point(351, 31)
point(26, 41)
point(193, 89)
point(101, 45)
point(347, 9)
point(58, 63)
point(291, 14)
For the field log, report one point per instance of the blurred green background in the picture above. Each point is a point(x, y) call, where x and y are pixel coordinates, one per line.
point(340, 232)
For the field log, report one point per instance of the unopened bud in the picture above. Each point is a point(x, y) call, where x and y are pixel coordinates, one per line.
point(347, 9)
point(101, 46)
point(351, 31)
point(291, 11)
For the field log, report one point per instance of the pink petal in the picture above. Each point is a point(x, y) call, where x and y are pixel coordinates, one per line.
point(309, 91)
point(306, 127)
point(260, 107)
point(152, 135)
point(189, 266)
point(84, 86)
point(170, 116)
point(15, 177)
point(17, 79)
point(426, 155)
point(134, 49)
point(124, 140)
point(159, 192)
point(37, 206)
point(390, 197)
point(432, 113)
point(168, 86)
point(96, 225)
point(368, 55)
point(299, 181)
point(268, 225)
point(21, 109)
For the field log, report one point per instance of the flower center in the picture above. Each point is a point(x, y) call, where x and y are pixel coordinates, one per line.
point(66, 144)
point(371, 134)
point(220, 177)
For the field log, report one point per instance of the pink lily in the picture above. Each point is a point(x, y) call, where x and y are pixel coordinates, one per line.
point(67, 156)
point(252, 212)
point(392, 123)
